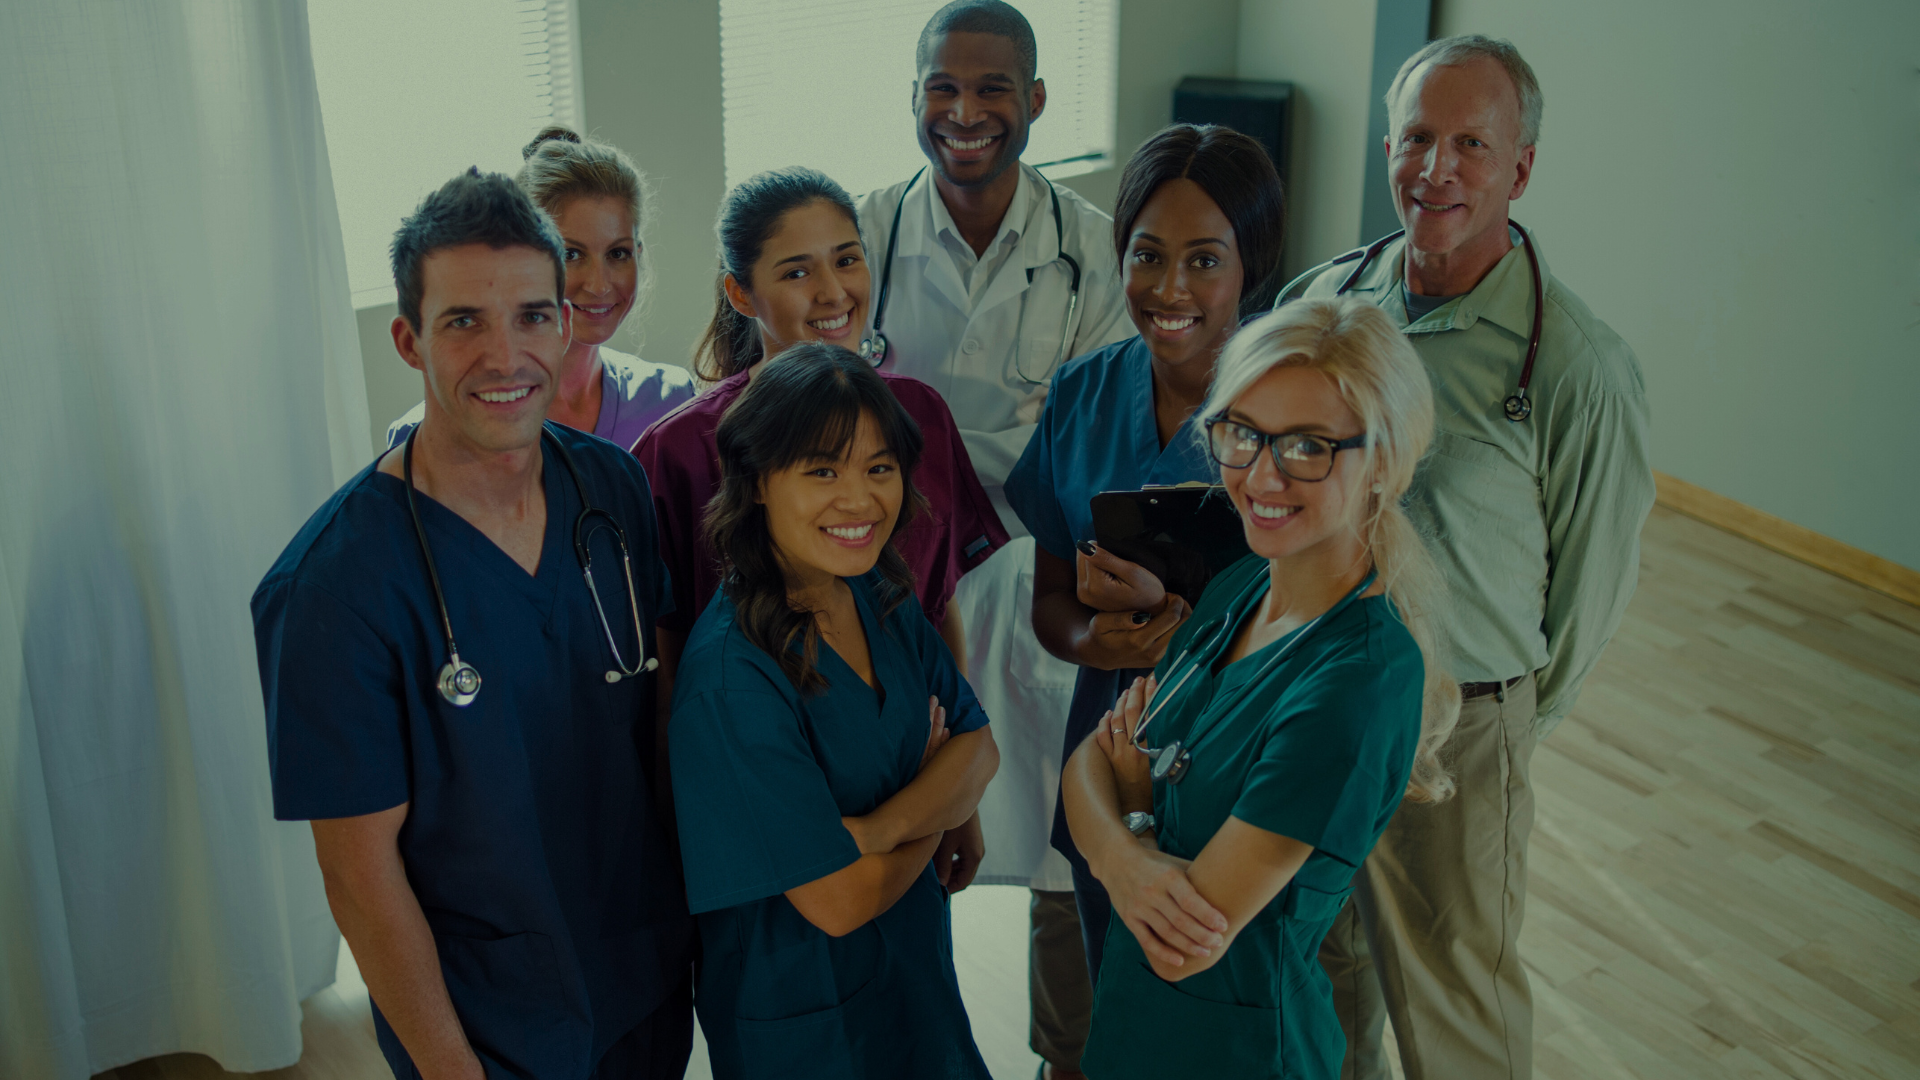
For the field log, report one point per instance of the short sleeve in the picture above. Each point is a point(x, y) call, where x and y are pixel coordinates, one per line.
point(1030, 486)
point(1337, 761)
point(756, 816)
point(336, 732)
point(975, 531)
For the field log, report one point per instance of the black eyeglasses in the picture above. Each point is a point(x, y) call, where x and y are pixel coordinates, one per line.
point(1299, 454)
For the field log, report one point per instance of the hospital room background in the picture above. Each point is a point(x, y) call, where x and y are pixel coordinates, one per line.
point(196, 197)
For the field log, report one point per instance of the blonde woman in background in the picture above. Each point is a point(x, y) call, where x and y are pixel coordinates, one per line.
point(597, 199)
point(1301, 703)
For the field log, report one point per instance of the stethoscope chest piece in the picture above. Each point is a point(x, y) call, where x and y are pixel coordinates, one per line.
point(874, 349)
point(1170, 763)
point(459, 682)
point(1518, 407)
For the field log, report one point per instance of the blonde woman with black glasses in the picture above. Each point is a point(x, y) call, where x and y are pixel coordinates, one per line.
point(1226, 801)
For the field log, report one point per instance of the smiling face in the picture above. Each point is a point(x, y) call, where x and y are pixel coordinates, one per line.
point(1183, 274)
point(492, 334)
point(972, 108)
point(1455, 161)
point(1284, 517)
point(810, 283)
point(603, 264)
point(831, 518)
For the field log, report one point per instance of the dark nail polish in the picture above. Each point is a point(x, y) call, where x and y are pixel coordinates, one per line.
point(1141, 618)
point(1086, 547)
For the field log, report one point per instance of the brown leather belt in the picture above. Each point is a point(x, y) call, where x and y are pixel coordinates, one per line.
point(1471, 690)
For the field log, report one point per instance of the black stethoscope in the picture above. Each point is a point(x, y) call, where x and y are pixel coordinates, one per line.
point(459, 680)
point(874, 346)
point(1518, 407)
point(1172, 762)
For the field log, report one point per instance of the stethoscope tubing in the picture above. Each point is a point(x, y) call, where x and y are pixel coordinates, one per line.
point(1170, 762)
point(1518, 406)
point(874, 347)
point(459, 681)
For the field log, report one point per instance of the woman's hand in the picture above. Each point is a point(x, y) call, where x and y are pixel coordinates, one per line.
point(937, 734)
point(1106, 582)
point(1132, 769)
point(958, 857)
point(1132, 639)
point(1152, 896)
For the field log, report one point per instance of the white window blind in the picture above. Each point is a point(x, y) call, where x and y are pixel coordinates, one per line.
point(412, 93)
point(829, 84)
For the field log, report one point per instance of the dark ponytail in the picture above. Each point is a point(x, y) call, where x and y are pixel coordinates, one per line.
point(804, 404)
point(748, 217)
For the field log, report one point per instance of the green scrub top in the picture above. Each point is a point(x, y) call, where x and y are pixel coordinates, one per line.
point(1317, 748)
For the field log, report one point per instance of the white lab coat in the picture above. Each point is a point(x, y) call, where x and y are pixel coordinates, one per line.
point(979, 347)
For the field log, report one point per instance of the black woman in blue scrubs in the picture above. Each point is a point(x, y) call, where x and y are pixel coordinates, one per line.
point(492, 852)
point(822, 741)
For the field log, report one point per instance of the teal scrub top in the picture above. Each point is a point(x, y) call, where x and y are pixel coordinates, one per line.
point(1318, 748)
point(762, 775)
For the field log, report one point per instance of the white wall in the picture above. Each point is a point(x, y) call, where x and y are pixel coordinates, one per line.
point(1325, 48)
point(1735, 188)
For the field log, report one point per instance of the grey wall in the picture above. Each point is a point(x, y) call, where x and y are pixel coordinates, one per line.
point(1734, 185)
point(1160, 43)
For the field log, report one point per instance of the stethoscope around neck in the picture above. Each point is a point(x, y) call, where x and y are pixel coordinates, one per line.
point(1172, 762)
point(459, 681)
point(873, 347)
point(1518, 405)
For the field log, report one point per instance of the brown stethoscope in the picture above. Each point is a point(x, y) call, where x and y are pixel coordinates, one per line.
point(1517, 406)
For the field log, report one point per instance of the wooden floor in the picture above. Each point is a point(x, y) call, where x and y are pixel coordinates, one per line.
point(1726, 868)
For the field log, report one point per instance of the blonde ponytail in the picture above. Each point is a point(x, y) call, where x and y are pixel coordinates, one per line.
point(1382, 380)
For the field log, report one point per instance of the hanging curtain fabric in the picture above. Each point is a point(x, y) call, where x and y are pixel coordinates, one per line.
point(182, 389)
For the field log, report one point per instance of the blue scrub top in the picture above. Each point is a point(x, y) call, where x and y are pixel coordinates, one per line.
point(1311, 737)
point(532, 842)
point(762, 775)
point(1097, 433)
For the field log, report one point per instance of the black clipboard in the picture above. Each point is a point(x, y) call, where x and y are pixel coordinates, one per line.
point(1184, 535)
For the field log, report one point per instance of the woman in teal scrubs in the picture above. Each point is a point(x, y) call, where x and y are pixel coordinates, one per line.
point(1197, 229)
point(822, 740)
point(1292, 713)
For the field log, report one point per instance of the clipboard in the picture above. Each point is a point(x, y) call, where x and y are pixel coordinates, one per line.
point(1183, 534)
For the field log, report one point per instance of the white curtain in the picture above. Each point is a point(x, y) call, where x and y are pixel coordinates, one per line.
point(181, 388)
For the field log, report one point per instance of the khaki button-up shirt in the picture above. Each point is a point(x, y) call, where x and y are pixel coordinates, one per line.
point(1536, 524)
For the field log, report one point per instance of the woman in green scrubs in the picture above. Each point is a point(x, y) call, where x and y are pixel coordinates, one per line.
point(1226, 802)
point(822, 742)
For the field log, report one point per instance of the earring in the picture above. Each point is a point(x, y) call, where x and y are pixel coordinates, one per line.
point(1378, 488)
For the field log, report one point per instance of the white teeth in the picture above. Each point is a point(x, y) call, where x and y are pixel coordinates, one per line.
point(850, 532)
point(831, 324)
point(1436, 208)
point(1173, 324)
point(502, 397)
point(597, 310)
point(968, 144)
point(1263, 511)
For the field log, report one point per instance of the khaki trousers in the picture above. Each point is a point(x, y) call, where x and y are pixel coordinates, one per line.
point(1060, 994)
point(1430, 937)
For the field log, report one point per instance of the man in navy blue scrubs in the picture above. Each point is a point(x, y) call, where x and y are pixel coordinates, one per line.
point(498, 864)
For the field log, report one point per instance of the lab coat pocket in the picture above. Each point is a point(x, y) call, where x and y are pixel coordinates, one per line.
point(827, 1042)
point(1145, 1026)
point(516, 1010)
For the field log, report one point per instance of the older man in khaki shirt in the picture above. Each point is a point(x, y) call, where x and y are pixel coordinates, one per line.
point(1535, 521)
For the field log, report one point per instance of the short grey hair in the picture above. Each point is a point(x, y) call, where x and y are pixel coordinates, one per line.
point(1466, 48)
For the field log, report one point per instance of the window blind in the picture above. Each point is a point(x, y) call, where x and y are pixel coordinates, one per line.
point(829, 84)
point(412, 93)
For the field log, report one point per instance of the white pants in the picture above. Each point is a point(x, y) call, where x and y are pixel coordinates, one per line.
point(1025, 691)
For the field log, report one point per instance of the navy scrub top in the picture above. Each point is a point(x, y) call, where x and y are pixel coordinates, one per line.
point(762, 775)
point(1097, 433)
point(1317, 748)
point(533, 842)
